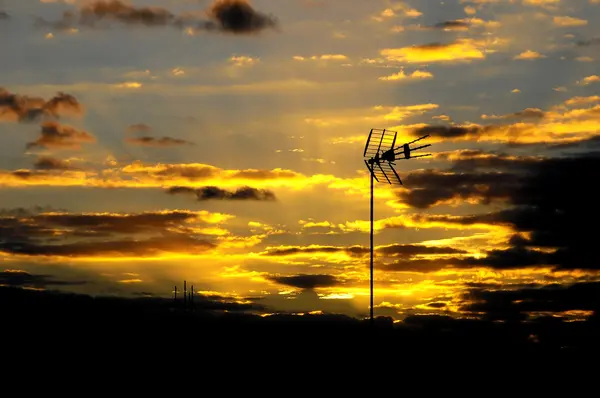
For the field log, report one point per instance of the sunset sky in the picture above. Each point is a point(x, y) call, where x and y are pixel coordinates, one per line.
point(221, 142)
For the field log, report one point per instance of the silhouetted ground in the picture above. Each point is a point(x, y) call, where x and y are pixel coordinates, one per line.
point(61, 322)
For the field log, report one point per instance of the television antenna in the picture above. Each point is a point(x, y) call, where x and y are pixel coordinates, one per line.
point(380, 154)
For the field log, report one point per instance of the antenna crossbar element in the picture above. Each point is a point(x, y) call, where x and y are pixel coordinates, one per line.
point(419, 139)
point(420, 147)
point(386, 172)
point(378, 141)
point(406, 150)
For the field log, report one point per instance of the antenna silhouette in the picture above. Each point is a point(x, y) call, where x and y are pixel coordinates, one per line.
point(380, 154)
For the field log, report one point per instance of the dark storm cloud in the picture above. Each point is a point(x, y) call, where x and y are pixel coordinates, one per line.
point(288, 251)
point(59, 234)
point(24, 108)
point(473, 159)
point(18, 278)
point(306, 281)
point(423, 265)
point(391, 250)
point(501, 304)
point(553, 207)
point(48, 163)
point(56, 135)
point(157, 142)
point(475, 132)
point(413, 250)
point(238, 16)
point(112, 223)
point(244, 193)
point(228, 16)
point(494, 218)
point(43, 222)
point(429, 187)
point(436, 305)
point(216, 193)
point(123, 247)
point(515, 257)
point(556, 206)
point(448, 131)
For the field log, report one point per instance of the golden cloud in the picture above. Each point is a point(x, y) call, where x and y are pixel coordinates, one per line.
point(566, 21)
point(415, 75)
point(528, 55)
point(459, 50)
point(562, 123)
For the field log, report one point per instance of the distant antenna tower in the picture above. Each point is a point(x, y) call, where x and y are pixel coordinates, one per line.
point(184, 293)
point(380, 154)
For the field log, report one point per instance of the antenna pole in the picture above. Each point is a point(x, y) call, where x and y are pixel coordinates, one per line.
point(385, 170)
point(371, 264)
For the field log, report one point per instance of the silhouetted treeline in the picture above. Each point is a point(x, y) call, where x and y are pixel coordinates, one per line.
point(62, 319)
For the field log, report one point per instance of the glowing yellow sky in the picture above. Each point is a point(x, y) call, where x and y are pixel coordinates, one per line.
point(156, 112)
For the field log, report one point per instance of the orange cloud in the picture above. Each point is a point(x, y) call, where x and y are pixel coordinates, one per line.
point(15, 107)
point(55, 135)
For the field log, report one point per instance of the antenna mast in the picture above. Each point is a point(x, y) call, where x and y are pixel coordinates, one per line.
point(380, 154)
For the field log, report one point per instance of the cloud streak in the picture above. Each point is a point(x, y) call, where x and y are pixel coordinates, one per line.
point(19, 278)
point(306, 281)
point(150, 234)
point(157, 142)
point(49, 163)
point(216, 193)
